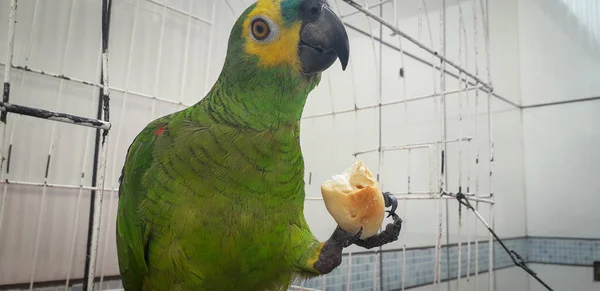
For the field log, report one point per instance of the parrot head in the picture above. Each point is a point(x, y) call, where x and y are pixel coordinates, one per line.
point(276, 52)
point(302, 36)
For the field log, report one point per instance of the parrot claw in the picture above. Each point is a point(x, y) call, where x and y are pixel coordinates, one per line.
point(390, 234)
point(390, 200)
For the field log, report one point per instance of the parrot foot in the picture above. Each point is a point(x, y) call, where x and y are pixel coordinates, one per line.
point(390, 234)
point(330, 256)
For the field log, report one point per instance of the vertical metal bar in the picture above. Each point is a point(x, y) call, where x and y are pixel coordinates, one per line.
point(79, 195)
point(596, 21)
point(468, 183)
point(377, 255)
point(468, 271)
point(460, 152)
point(405, 99)
point(96, 160)
point(477, 137)
point(98, 201)
point(420, 22)
point(352, 76)
point(100, 157)
point(5, 98)
point(12, 21)
point(403, 265)
point(158, 62)
point(74, 229)
point(348, 273)
point(186, 53)
point(106, 235)
point(120, 127)
point(486, 31)
point(444, 133)
point(210, 44)
point(439, 165)
point(438, 235)
point(230, 8)
point(380, 101)
point(16, 118)
point(373, 42)
point(50, 150)
point(353, 83)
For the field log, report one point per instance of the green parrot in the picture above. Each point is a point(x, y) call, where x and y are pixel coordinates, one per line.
point(212, 196)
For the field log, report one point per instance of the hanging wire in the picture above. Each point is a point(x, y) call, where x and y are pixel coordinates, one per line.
point(514, 256)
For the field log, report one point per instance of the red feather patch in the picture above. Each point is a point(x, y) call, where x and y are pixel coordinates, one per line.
point(159, 131)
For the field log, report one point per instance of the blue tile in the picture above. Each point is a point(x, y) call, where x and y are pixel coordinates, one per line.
point(420, 262)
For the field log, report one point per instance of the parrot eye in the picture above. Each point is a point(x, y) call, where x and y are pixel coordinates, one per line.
point(262, 29)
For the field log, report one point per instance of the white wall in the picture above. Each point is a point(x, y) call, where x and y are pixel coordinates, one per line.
point(555, 63)
point(561, 161)
point(562, 166)
point(328, 142)
point(560, 142)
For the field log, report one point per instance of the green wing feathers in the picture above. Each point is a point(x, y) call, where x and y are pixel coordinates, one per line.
point(133, 231)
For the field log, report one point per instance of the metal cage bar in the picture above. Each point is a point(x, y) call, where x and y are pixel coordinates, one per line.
point(101, 124)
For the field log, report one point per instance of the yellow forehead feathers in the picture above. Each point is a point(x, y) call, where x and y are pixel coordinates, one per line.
point(281, 50)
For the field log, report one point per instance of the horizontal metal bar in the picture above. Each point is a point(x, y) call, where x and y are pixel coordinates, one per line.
point(412, 192)
point(88, 83)
point(426, 62)
point(413, 195)
point(177, 10)
point(417, 43)
point(370, 7)
point(58, 186)
point(143, 95)
point(414, 145)
point(60, 117)
point(37, 71)
point(433, 196)
point(425, 196)
point(561, 102)
point(393, 102)
point(405, 147)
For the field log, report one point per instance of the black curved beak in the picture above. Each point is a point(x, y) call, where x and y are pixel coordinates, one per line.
point(323, 39)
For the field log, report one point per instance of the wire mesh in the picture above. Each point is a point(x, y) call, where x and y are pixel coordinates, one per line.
point(174, 34)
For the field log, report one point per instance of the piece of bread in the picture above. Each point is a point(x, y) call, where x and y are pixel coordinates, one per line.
point(354, 199)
